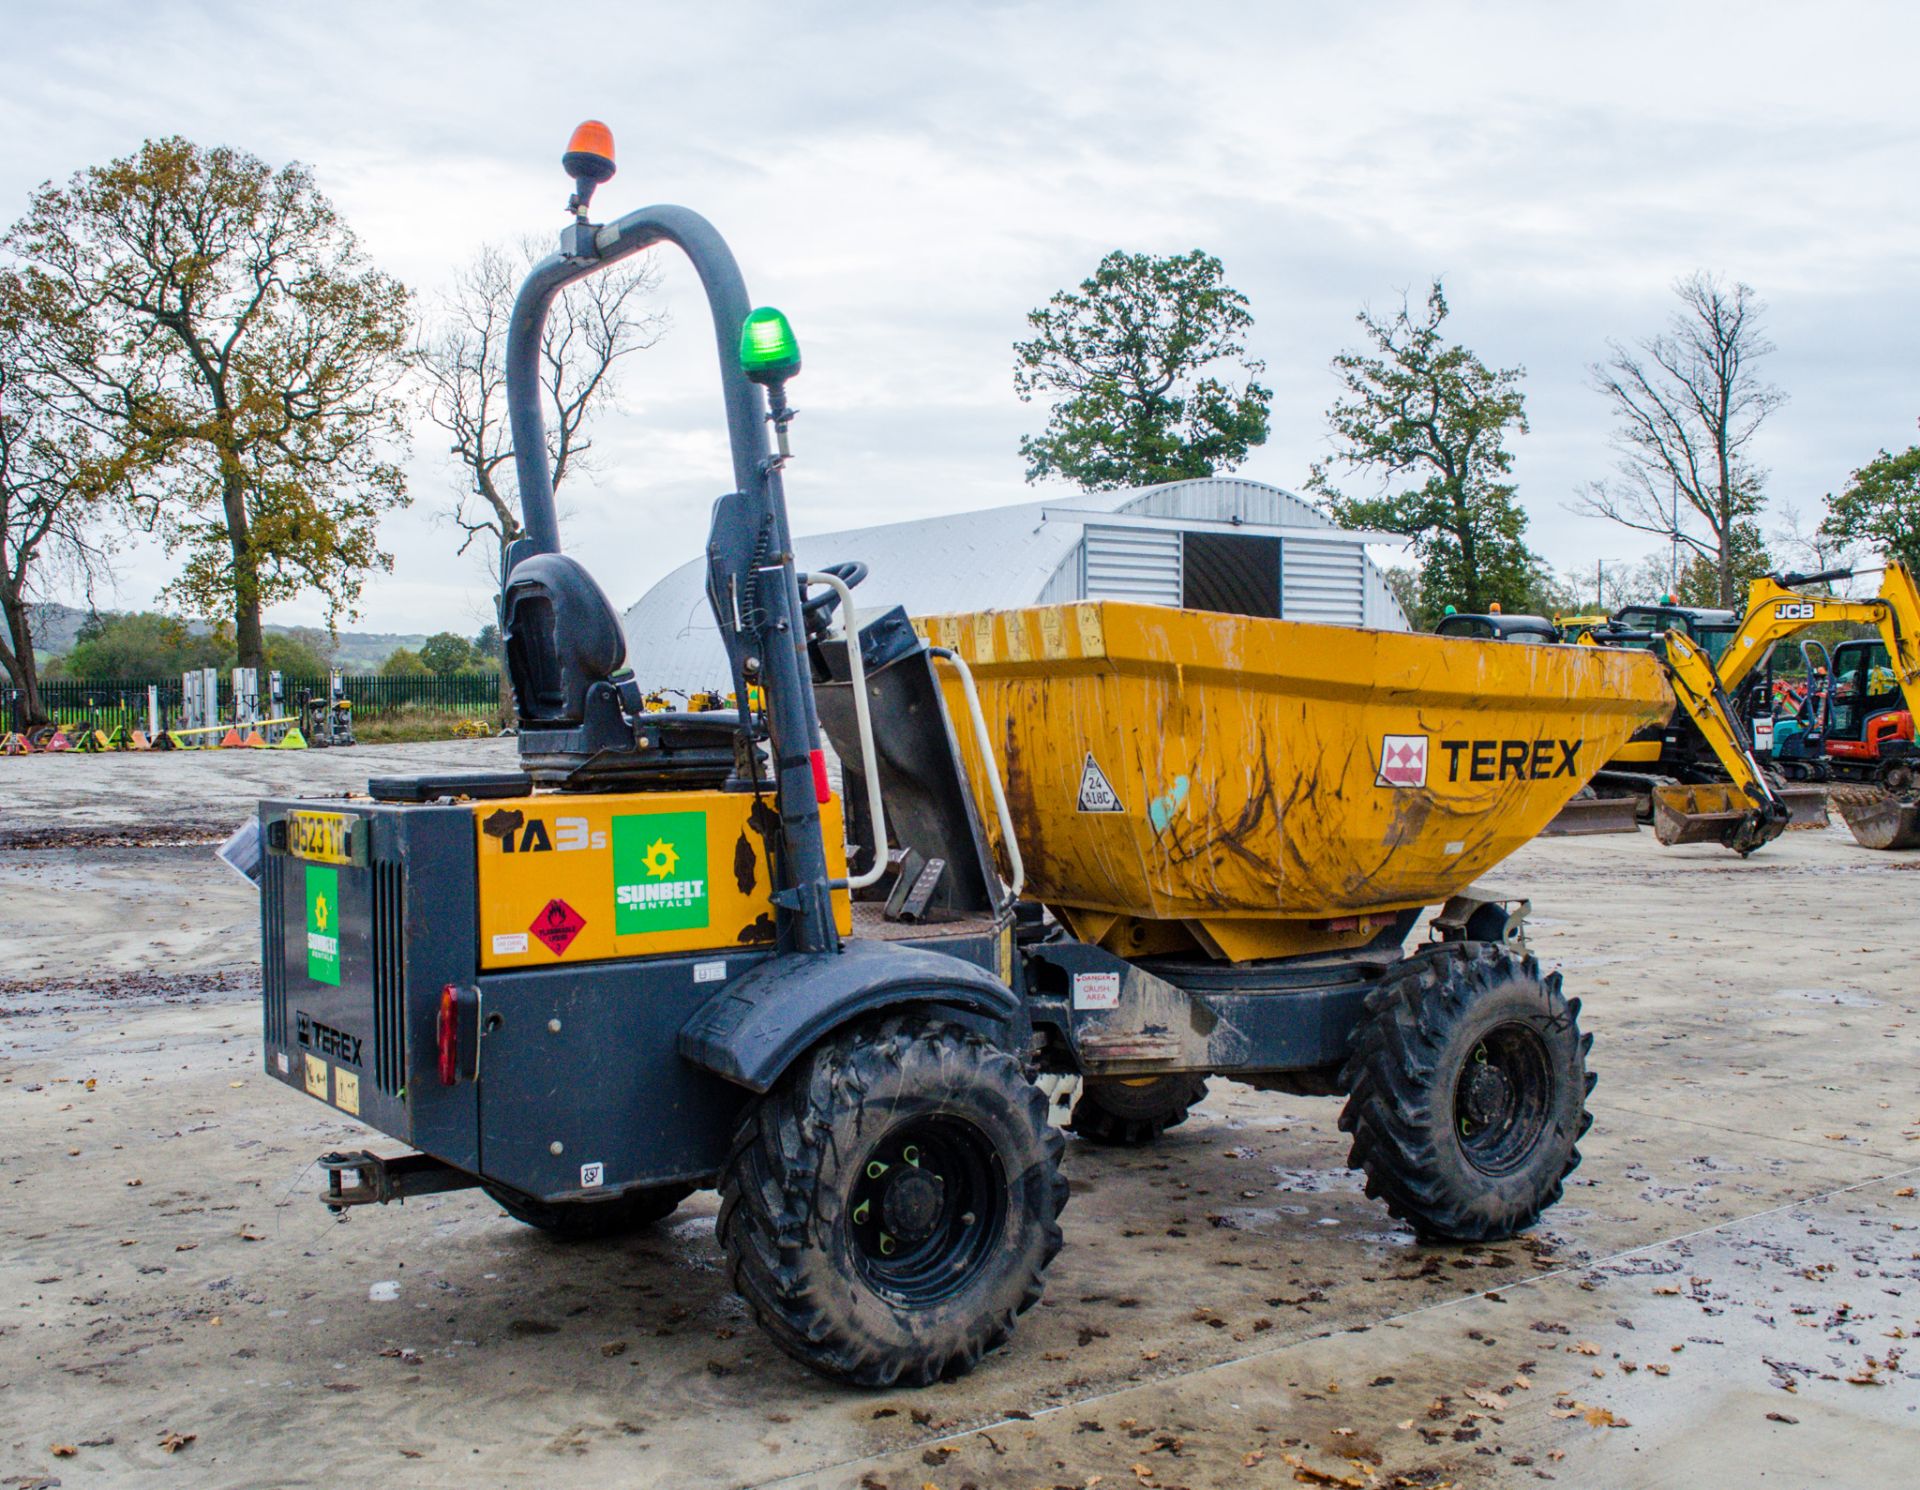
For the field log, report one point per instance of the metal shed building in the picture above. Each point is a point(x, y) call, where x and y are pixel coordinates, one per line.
point(1218, 544)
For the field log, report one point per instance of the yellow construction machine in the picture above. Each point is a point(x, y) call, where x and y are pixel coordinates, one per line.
point(1122, 843)
point(1697, 776)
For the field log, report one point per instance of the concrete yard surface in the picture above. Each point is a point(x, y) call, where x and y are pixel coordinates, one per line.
point(1726, 1297)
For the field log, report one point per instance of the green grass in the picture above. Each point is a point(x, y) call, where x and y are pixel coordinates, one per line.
point(407, 725)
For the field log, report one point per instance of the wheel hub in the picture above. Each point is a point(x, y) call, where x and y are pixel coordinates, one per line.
point(1488, 1097)
point(911, 1203)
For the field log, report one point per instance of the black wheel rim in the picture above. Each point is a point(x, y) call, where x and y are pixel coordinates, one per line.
point(927, 1208)
point(1502, 1098)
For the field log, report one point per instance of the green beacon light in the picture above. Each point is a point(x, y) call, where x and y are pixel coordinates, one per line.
point(1452, 610)
point(769, 354)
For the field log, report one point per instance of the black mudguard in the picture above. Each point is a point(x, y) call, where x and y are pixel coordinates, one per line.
point(752, 1032)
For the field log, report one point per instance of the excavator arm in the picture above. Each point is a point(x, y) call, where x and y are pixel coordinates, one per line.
point(1775, 610)
point(1744, 813)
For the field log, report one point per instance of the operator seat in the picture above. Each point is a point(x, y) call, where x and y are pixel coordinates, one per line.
point(582, 721)
point(563, 636)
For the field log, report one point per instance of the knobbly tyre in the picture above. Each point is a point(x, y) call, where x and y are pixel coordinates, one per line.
point(647, 961)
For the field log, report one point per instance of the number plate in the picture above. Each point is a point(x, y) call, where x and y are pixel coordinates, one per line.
point(320, 836)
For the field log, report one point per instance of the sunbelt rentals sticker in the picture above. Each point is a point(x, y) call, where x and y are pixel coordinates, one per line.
point(323, 925)
point(659, 872)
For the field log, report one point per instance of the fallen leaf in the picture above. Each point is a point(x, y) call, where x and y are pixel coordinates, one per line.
point(1585, 1347)
point(173, 1443)
point(1305, 1474)
point(186, 1246)
point(62, 1450)
point(1600, 1417)
point(1253, 1458)
point(135, 1184)
point(251, 1236)
point(1905, 1192)
point(1780, 1417)
point(1660, 1369)
point(1488, 1400)
point(236, 1083)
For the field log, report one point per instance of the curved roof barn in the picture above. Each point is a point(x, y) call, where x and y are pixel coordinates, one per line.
point(1222, 544)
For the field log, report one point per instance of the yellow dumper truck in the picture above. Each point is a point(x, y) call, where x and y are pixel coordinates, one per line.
point(1129, 844)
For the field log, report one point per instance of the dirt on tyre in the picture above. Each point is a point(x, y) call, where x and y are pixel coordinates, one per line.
point(1126, 1112)
point(591, 1220)
point(1467, 1092)
point(888, 1210)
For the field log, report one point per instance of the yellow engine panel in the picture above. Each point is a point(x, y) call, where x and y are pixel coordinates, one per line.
point(567, 877)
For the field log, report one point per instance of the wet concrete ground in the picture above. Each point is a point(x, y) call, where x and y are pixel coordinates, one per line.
point(1725, 1297)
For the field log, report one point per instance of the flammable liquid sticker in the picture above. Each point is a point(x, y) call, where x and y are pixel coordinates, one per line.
point(659, 872)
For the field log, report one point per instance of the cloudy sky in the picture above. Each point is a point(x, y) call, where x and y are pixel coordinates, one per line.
point(907, 179)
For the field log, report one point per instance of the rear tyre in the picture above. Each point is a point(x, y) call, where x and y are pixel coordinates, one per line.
point(1468, 1084)
point(591, 1220)
point(1126, 1113)
point(889, 1209)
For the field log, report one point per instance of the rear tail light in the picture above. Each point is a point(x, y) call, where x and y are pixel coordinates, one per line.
point(447, 1036)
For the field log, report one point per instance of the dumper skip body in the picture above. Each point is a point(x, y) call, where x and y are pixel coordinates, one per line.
point(1263, 786)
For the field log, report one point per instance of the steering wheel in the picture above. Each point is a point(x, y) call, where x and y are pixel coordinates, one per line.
point(816, 611)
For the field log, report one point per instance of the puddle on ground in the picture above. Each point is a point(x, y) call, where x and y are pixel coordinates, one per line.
point(1317, 1181)
point(1846, 998)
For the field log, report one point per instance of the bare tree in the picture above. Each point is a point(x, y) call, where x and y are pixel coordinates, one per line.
point(1689, 402)
point(1814, 548)
point(51, 483)
point(595, 325)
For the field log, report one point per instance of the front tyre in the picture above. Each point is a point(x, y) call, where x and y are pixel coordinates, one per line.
point(1468, 1085)
point(890, 1207)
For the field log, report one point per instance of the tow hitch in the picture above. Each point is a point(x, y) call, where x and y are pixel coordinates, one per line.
point(378, 1180)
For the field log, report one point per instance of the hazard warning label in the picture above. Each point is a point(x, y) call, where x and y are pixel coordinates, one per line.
point(557, 925)
point(1096, 792)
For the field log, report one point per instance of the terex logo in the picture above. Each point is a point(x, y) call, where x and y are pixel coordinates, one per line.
point(326, 1040)
point(1403, 761)
point(520, 834)
point(1516, 760)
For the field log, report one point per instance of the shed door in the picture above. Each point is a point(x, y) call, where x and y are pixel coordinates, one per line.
point(1141, 564)
point(1323, 581)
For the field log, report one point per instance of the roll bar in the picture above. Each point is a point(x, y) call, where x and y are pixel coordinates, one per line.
point(803, 907)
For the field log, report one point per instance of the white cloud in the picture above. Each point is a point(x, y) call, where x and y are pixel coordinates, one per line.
point(906, 181)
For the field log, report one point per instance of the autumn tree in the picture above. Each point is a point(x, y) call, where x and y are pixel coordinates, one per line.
point(1880, 506)
point(1428, 420)
point(595, 325)
point(1688, 403)
point(1148, 370)
point(52, 484)
point(215, 321)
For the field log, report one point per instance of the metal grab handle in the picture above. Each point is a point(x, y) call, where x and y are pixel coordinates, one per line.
point(1014, 862)
point(863, 720)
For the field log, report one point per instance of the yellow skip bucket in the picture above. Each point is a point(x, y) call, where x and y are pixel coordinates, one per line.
point(1253, 788)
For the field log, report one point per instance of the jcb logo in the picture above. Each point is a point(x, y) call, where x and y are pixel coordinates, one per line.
point(519, 834)
point(1801, 610)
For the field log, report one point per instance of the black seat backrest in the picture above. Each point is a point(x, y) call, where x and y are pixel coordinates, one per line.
point(563, 636)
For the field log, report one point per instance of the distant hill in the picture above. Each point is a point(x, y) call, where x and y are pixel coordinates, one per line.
point(55, 628)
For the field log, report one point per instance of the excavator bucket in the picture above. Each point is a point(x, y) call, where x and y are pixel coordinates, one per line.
point(1590, 812)
point(1720, 813)
point(1886, 822)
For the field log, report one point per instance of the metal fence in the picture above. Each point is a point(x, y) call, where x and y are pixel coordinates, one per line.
point(108, 704)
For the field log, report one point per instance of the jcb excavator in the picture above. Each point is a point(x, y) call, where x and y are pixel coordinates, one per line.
point(1697, 775)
